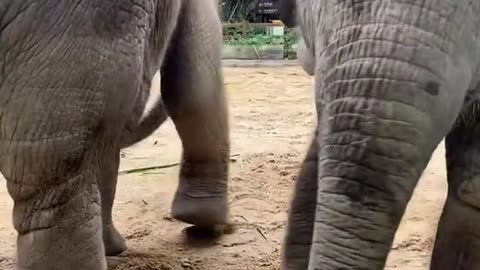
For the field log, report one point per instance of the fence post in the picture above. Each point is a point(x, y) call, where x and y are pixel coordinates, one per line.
point(244, 29)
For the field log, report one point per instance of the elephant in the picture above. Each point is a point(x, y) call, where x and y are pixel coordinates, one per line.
point(137, 127)
point(74, 79)
point(304, 55)
point(393, 79)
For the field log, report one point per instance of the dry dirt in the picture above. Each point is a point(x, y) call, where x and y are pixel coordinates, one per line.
point(272, 119)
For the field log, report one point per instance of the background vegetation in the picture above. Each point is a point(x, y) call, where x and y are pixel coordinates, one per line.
point(237, 10)
point(243, 11)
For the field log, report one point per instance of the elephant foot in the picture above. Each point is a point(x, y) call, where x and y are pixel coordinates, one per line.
point(207, 212)
point(68, 237)
point(113, 241)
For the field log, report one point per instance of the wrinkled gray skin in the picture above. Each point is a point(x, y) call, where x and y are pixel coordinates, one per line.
point(74, 79)
point(392, 79)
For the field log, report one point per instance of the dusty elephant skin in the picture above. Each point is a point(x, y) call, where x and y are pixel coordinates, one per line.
point(392, 79)
point(74, 77)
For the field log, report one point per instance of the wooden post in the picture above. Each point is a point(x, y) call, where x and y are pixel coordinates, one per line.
point(244, 29)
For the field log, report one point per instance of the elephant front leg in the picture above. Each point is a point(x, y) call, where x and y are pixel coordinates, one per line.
point(298, 240)
point(192, 88)
point(458, 234)
point(108, 172)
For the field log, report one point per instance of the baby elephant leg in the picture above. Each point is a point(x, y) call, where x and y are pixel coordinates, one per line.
point(108, 164)
point(301, 215)
point(458, 234)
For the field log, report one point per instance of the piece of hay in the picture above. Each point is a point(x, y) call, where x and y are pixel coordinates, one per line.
point(159, 167)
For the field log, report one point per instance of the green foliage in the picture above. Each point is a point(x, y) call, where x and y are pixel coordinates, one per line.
point(234, 33)
point(290, 39)
point(256, 40)
point(258, 37)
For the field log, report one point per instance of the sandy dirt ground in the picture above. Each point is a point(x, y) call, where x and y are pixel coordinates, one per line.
point(272, 116)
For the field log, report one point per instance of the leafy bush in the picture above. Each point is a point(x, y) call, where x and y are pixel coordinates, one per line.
point(290, 38)
point(256, 40)
point(258, 37)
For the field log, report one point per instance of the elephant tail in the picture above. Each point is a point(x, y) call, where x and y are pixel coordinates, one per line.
point(151, 122)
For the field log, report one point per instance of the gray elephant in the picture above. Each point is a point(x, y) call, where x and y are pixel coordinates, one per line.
point(304, 55)
point(74, 78)
point(392, 79)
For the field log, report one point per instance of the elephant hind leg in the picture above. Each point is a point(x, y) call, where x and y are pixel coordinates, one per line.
point(299, 236)
point(49, 152)
point(107, 172)
point(57, 204)
point(457, 242)
point(192, 89)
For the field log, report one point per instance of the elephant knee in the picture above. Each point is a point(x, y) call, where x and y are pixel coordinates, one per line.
point(73, 201)
point(47, 178)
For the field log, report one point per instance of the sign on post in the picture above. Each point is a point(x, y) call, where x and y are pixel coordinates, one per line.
point(267, 7)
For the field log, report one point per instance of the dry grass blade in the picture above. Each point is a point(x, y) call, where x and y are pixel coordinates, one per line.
point(159, 167)
point(256, 227)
